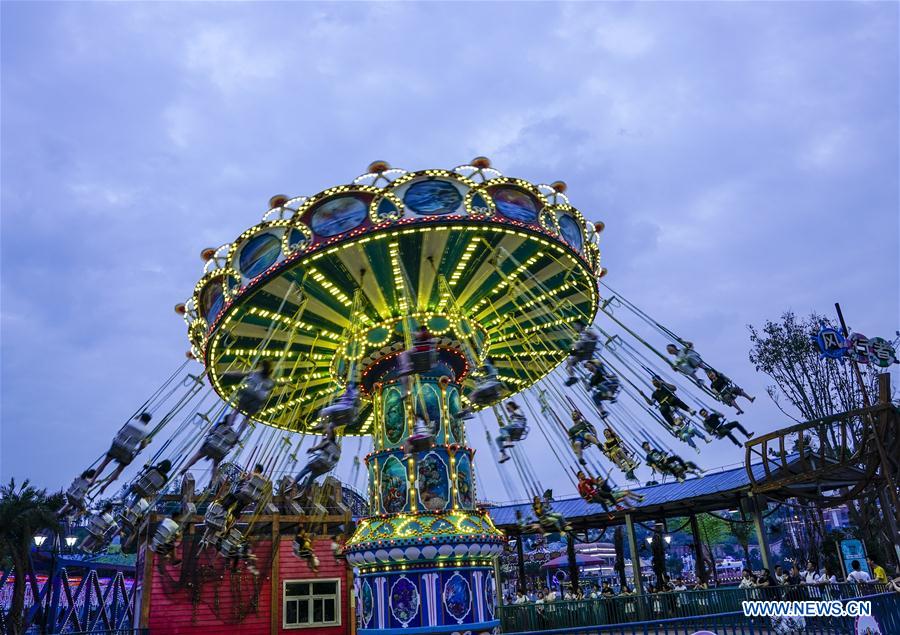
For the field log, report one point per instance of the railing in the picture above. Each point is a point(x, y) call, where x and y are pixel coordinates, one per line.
point(885, 611)
point(678, 605)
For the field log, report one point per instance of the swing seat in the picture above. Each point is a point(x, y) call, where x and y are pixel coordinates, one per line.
point(149, 484)
point(218, 444)
point(486, 392)
point(252, 490)
point(100, 528)
point(339, 413)
point(215, 516)
point(517, 429)
point(422, 360)
point(127, 443)
point(421, 442)
point(165, 536)
point(77, 491)
point(134, 513)
point(583, 350)
point(231, 544)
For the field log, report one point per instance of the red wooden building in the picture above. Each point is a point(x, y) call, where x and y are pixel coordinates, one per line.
point(203, 593)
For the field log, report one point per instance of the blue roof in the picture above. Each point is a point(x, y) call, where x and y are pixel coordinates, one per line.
point(654, 495)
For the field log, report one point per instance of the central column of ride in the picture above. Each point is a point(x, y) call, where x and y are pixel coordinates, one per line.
point(425, 555)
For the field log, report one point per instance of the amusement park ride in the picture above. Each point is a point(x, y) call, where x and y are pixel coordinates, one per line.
point(398, 306)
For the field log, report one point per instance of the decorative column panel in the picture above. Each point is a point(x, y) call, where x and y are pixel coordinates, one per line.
point(430, 550)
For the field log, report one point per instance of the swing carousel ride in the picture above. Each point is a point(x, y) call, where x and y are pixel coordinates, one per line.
point(398, 307)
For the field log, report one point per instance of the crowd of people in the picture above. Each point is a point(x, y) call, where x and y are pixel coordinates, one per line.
point(781, 577)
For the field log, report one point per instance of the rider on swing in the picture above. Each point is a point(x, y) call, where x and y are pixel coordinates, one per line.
point(342, 411)
point(256, 386)
point(668, 403)
point(546, 517)
point(687, 360)
point(327, 454)
point(615, 451)
point(419, 358)
point(582, 349)
point(597, 490)
point(672, 464)
point(487, 390)
point(127, 444)
point(581, 435)
point(726, 390)
point(714, 422)
point(686, 431)
point(512, 431)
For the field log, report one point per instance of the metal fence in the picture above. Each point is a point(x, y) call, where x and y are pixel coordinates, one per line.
point(677, 606)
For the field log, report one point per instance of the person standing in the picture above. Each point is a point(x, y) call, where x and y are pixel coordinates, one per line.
point(858, 575)
point(878, 573)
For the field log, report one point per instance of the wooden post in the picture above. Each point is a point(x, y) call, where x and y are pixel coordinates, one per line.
point(890, 505)
point(635, 555)
point(761, 536)
point(147, 581)
point(275, 578)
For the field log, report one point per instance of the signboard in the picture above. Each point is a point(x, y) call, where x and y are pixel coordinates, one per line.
point(853, 550)
point(881, 352)
point(831, 343)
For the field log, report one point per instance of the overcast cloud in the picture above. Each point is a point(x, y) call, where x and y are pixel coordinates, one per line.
point(744, 157)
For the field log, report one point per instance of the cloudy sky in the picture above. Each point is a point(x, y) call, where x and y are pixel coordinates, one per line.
point(744, 157)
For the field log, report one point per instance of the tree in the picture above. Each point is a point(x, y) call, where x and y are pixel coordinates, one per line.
point(742, 532)
point(712, 531)
point(807, 388)
point(813, 388)
point(24, 512)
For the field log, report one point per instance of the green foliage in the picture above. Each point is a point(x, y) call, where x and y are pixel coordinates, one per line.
point(813, 388)
point(24, 512)
point(674, 565)
point(712, 532)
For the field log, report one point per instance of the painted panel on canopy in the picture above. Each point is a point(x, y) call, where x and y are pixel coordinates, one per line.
point(259, 253)
point(570, 230)
point(339, 215)
point(433, 197)
point(516, 204)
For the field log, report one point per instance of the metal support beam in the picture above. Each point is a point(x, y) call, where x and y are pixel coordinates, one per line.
point(635, 555)
point(520, 563)
point(699, 560)
point(573, 562)
point(498, 582)
point(761, 536)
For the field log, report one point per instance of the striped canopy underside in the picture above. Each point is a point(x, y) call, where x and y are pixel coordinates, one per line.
point(520, 315)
